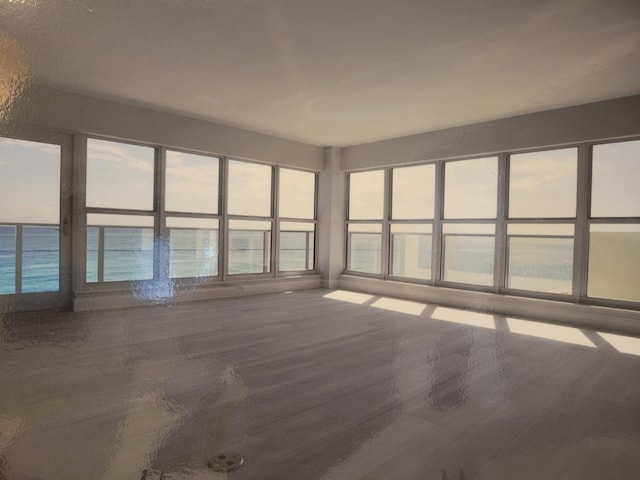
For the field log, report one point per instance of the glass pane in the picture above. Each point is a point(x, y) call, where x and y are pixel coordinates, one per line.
point(297, 194)
point(541, 264)
point(543, 184)
point(29, 182)
point(249, 189)
point(413, 192)
point(366, 195)
point(40, 259)
point(470, 188)
point(249, 247)
point(614, 257)
point(119, 175)
point(192, 183)
point(7, 259)
point(615, 180)
point(411, 251)
point(92, 254)
point(468, 254)
point(296, 246)
point(193, 251)
point(127, 247)
point(365, 248)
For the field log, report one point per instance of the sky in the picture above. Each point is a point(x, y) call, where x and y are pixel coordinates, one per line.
point(119, 175)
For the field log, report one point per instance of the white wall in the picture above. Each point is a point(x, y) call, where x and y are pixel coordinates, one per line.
point(67, 112)
point(595, 121)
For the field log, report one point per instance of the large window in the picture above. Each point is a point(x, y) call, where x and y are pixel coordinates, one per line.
point(542, 192)
point(470, 194)
point(193, 225)
point(560, 223)
point(411, 224)
point(251, 224)
point(155, 213)
point(29, 217)
point(365, 214)
point(296, 203)
point(120, 188)
point(614, 226)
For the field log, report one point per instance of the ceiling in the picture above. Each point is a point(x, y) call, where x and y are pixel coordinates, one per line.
point(333, 72)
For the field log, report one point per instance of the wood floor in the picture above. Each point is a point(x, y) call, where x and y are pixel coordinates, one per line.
point(314, 385)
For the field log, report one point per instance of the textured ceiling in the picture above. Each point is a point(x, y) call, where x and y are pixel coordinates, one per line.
point(333, 72)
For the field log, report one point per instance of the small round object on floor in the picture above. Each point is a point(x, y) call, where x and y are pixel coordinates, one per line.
point(226, 462)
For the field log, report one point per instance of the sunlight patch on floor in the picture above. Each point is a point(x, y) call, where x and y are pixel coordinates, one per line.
point(351, 297)
point(400, 306)
point(622, 343)
point(549, 331)
point(464, 317)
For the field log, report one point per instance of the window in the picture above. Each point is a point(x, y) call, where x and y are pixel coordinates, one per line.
point(120, 245)
point(412, 213)
point(119, 175)
point(470, 189)
point(615, 179)
point(297, 246)
point(413, 192)
point(542, 188)
point(191, 183)
point(249, 189)
point(411, 250)
point(614, 225)
point(366, 195)
point(249, 247)
point(29, 217)
point(193, 227)
point(468, 253)
point(193, 247)
point(364, 244)
point(543, 184)
point(540, 257)
point(297, 193)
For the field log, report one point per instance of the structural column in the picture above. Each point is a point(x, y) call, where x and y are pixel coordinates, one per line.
point(331, 218)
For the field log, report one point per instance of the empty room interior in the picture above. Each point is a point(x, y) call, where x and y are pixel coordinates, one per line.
point(319, 240)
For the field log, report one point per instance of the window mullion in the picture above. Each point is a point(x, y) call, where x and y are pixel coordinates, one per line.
point(436, 237)
point(580, 245)
point(500, 258)
point(161, 251)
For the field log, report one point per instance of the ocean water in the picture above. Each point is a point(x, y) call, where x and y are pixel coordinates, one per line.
point(40, 259)
point(539, 264)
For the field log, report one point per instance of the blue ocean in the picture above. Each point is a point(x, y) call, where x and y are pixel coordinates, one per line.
point(534, 263)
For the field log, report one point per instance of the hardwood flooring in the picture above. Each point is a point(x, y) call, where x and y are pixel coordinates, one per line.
point(314, 385)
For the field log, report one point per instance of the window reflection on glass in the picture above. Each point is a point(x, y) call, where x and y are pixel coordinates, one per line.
point(615, 179)
point(191, 183)
point(614, 260)
point(543, 184)
point(365, 248)
point(119, 175)
point(119, 247)
point(413, 192)
point(297, 194)
point(468, 253)
point(471, 188)
point(540, 258)
point(366, 195)
point(411, 251)
point(296, 246)
point(249, 189)
point(193, 247)
point(249, 247)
